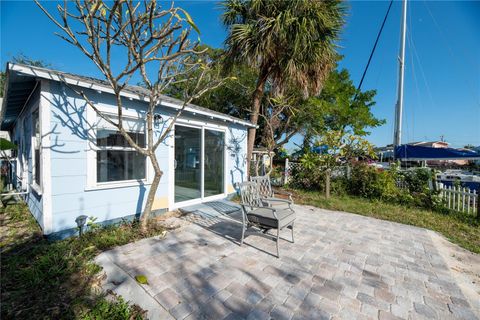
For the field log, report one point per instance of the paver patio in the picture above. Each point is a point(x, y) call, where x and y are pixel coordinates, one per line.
point(341, 266)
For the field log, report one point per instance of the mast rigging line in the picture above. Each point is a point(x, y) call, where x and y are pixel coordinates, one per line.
point(373, 51)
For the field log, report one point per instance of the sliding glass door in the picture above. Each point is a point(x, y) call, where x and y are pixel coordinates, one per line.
point(188, 153)
point(199, 163)
point(214, 162)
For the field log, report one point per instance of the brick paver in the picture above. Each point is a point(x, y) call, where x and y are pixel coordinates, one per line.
point(341, 266)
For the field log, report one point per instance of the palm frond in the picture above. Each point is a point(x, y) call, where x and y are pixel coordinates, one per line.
point(295, 40)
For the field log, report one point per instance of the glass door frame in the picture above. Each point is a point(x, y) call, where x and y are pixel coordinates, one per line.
point(202, 127)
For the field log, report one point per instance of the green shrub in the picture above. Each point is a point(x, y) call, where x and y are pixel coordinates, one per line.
point(276, 176)
point(419, 185)
point(115, 310)
point(309, 174)
point(369, 182)
point(417, 180)
point(338, 186)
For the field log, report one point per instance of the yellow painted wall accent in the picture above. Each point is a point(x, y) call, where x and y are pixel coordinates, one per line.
point(230, 189)
point(160, 203)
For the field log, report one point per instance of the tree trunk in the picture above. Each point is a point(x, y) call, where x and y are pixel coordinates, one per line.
point(256, 103)
point(151, 193)
point(327, 183)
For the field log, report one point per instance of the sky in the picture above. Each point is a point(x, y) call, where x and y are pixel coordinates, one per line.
point(442, 67)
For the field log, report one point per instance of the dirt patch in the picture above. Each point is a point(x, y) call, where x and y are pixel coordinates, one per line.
point(464, 266)
point(171, 220)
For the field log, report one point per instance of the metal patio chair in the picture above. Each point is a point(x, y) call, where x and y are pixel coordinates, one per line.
point(256, 212)
point(268, 195)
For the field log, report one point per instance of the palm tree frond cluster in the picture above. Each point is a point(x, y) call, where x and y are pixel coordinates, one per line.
point(293, 42)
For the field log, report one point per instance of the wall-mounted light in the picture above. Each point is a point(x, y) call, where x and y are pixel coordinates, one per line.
point(81, 220)
point(157, 118)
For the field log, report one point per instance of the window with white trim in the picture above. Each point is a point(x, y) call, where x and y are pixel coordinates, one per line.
point(116, 159)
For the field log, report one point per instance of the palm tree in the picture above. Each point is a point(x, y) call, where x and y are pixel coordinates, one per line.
point(290, 42)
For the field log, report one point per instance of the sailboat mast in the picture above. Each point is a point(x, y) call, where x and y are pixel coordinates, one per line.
point(397, 139)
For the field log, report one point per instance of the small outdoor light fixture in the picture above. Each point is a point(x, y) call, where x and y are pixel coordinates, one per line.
point(81, 220)
point(157, 118)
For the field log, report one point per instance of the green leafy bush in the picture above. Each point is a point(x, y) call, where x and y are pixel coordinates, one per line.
point(369, 182)
point(419, 184)
point(417, 180)
point(411, 187)
point(276, 176)
point(115, 310)
point(309, 174)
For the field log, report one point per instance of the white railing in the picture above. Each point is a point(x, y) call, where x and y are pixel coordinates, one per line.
point(459, 198)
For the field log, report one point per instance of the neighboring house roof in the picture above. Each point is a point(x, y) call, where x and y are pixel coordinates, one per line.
point(19, 88)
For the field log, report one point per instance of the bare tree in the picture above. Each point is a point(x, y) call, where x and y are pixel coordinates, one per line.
point(150, 42)
point(281, 118)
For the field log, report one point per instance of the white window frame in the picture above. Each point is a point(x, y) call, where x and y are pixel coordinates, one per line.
point(92, 149)
point(202, 126)
point(36, 143)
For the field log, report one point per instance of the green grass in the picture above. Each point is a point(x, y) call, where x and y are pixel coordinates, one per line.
point(119, 309)
point(460, 228)
point(54, 280)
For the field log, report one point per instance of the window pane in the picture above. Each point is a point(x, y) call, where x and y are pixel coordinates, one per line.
point(112, 138)
point(36, 124)
point(188, 142)
point(36, 146)
point(37, 166)
point(113, 165)
point(214, 162)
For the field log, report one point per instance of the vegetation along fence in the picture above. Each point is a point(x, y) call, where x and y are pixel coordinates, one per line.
point(292, 166)
point(459, 198)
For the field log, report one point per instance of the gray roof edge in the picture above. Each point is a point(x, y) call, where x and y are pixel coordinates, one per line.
point(134, 92)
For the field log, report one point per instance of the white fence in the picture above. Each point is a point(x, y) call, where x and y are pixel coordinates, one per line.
point(459, 199)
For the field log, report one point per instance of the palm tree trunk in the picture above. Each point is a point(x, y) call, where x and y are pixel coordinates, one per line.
point(256, 103)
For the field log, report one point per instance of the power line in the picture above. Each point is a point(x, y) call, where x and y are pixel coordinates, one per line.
point(373, 50)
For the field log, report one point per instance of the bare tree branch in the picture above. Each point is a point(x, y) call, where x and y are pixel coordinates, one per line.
point(155, 45)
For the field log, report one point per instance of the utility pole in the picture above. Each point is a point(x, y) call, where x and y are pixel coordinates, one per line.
point(397, 139)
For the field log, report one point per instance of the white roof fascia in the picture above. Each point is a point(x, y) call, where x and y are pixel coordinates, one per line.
point(69, 80)
point(205, 113)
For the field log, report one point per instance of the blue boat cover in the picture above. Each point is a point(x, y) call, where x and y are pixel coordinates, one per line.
point(416, 153)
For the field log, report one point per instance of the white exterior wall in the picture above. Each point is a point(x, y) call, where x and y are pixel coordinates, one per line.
point(71, 157)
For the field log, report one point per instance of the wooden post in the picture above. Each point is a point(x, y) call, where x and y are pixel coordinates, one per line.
point(287, 171)
point(475, 202)
point(327, 183)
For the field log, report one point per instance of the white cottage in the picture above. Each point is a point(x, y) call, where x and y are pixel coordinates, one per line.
point(71, 163)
